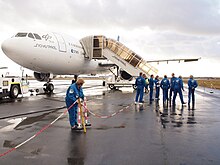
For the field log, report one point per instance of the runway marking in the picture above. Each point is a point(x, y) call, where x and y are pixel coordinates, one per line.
point(38, 133)
point(13, 123)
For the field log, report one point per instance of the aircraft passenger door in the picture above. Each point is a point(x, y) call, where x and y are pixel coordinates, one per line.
point(61, 42)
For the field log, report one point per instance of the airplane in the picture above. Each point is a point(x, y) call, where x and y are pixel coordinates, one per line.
point(49, 54)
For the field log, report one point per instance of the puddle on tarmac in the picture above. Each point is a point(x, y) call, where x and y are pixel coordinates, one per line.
point(76, 161)
point(121, 126)
point(8, 144)
point(104, 127)
point(55, 99)
point(8, 100)
point(36, 151)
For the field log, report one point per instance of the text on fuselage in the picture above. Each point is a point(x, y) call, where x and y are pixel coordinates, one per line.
point(45, 46)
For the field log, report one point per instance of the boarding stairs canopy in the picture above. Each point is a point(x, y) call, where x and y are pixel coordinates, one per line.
point(100, 47)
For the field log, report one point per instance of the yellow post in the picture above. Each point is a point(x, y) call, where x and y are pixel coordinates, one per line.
point(82, 116)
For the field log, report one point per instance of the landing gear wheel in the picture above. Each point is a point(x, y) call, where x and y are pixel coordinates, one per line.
point(135, 87)
point(48, 88)
point(111, 86)
point(14, 92)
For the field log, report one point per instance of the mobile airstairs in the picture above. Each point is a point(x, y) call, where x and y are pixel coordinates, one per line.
point(100, 47)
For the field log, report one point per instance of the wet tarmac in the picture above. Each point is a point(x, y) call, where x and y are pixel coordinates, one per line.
point(148, 134)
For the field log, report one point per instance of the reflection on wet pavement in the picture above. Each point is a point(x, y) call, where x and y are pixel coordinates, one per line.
point(105, 127)
point(175, 116)
point(142, 134)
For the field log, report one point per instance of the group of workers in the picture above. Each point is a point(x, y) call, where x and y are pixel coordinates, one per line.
point(74, 94)
point(174, 85)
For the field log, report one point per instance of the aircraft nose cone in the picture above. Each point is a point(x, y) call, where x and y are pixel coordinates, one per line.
point(10, 48)
point(6, 47)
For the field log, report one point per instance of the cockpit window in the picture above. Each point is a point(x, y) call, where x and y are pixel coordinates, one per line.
point(21, 35)
point(30, 35)
point(37, 36)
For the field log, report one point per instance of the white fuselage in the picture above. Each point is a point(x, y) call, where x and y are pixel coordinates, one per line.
point(49, 53)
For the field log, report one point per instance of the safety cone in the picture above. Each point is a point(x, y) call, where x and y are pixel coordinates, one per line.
point(79, 121)
point(82, 116)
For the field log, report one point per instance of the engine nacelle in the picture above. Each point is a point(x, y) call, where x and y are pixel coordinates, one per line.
point(125, 75)
point(43, 76)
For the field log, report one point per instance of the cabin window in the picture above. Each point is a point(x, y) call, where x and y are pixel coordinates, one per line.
point(21, 35)
point(30, 35)
point(37, 36)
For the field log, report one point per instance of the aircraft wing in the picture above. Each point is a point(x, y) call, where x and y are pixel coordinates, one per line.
point(178, 59)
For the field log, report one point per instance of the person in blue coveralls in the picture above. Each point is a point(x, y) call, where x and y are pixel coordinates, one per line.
point(151, 86)
point(192, 84)
point(157, 86)
point(165, 85)
point(178, 87)
point(172, 80)
point(140, 83)
point(74, 92)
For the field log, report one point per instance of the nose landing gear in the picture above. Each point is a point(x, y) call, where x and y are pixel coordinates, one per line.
point(48, 87)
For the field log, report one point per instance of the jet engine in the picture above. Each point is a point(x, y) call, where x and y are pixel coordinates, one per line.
point(42, 76)
point(125, 75)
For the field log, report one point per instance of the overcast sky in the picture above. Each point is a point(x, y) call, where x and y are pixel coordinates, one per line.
point(155, 29)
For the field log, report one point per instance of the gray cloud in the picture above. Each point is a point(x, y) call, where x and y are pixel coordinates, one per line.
point(162, 28)
point(190, 16)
